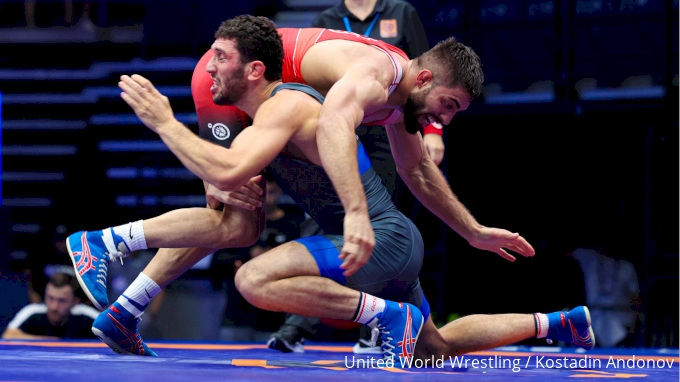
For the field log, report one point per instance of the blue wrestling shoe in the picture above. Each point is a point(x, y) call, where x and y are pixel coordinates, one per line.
point(399, 326)
point(572, 327)
point(91, 253)
point(117, 328)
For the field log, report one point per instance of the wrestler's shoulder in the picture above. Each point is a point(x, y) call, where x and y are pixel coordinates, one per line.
point(289, 104)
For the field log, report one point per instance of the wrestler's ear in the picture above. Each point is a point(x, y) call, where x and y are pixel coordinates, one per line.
point(255, 70)
point(423, 78)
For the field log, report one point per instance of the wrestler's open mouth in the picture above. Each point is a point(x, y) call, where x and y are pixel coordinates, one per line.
point(428, 119)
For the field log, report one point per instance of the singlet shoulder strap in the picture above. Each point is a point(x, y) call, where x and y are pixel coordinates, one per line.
point(299, 87)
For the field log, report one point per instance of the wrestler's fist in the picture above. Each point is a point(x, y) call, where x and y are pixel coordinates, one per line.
point(152, 107)
point(359, 242)
point(434, 144)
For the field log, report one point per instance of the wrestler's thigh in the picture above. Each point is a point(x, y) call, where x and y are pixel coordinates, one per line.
point(288, 260)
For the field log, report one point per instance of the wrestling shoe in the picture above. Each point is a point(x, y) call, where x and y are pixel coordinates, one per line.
point(117, 328)
point(572, 327)
point(289, 339)
point(364, 346)
point(399, 326)
point(91, 253)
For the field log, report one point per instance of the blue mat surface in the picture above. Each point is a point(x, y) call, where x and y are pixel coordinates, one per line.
point(76, 361)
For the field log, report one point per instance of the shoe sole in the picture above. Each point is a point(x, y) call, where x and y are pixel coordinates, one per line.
point(590, 328)
point(283, 346)
point(83, 286)
point(359, 350)
point(109, 342)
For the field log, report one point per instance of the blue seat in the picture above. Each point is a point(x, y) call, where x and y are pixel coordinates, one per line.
point(500, 11)
point(518, 57)
point(641, 6)
point(449, 14)
point(616, 50)
point(540, 10)
point(594, 8)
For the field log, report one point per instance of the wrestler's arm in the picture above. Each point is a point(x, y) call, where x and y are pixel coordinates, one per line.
point(251, 151)
point(426, 181)
point(342, 112)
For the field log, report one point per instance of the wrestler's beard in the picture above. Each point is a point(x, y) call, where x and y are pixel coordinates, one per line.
point(232, 89)
point(415, 104)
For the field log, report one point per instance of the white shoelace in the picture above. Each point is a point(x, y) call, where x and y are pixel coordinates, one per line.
point(104, 267)
point(386, 344)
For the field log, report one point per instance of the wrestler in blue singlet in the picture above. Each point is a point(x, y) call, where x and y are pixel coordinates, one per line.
point(393, 269)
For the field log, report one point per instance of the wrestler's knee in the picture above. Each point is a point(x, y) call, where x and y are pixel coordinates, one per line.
point(251, 281)
point(237, 228)
point(246, 233)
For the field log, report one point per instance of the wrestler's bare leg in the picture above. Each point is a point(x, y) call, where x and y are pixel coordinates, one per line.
point(474, 333)
point(117, 325)
point(235, 228)
point(288, 278)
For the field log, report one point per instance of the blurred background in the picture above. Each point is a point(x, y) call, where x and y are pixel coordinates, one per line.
point(574, 144)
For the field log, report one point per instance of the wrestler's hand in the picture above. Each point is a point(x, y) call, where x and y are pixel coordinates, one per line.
point(211, 202)
point(249, 196)
point(359, 242)
point(152, 107)
point(434, 144)
point(498, 240)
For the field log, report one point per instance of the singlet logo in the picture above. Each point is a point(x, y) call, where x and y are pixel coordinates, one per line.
point(220, 131)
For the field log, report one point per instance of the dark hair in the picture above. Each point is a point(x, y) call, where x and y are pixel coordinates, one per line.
point(256, 39)
point(454, 64)
point(59, 280)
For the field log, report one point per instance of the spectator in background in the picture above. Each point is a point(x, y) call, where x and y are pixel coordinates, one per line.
point(61, 316)
point(394, 21)
point(612, 295)
point(397, 23)
point(45, 262)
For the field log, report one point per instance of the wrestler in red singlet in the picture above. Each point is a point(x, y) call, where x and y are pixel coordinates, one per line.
point(213, 118)
point(297, 41)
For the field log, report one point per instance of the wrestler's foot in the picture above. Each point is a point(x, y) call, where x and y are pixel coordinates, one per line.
point(364, 345)
point(399, 326)
point(572, 327)
point(289, 338)
point(91, 253)
point(117, 328)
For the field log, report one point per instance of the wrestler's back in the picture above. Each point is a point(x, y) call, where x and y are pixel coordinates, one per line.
point(336, 57)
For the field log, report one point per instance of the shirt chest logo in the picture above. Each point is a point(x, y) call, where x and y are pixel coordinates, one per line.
point(388, 28)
